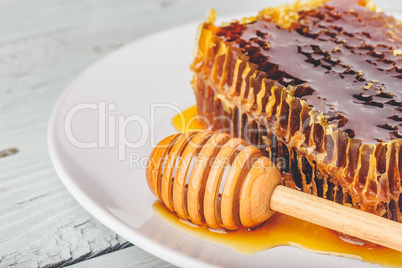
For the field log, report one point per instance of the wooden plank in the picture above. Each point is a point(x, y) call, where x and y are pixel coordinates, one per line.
point(129, 257)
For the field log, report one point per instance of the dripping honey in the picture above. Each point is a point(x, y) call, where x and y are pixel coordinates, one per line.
point(279, 230)
point(188, 121)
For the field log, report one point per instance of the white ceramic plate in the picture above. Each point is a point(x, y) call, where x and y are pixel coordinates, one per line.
point(150, 71)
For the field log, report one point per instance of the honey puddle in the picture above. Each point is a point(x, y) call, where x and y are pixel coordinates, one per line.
point(279, 230)
point(188, 121)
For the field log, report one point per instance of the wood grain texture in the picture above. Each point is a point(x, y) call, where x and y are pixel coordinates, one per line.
point(44, 44)
point(125, 258)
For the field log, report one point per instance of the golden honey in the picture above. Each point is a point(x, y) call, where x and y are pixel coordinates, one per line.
point(318, 85)
point(279, 230)
point(188, 120)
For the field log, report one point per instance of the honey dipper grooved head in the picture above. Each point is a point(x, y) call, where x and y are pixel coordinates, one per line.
point(257, 191)
point(207, 177)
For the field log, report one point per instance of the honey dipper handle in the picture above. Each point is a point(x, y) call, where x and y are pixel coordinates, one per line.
point(337, 217)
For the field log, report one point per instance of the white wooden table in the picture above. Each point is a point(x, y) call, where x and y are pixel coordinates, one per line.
point(44, 44)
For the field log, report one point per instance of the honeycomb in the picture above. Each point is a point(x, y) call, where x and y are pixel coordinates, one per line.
point(317, 86)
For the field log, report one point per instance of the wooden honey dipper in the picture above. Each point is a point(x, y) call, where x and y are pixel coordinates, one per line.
point(206, 177)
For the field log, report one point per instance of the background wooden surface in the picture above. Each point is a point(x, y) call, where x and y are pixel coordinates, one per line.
point(44, 44)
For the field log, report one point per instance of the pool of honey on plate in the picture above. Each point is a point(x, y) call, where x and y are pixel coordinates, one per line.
point(279, 230)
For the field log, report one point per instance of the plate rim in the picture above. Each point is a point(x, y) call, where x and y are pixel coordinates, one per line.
point(95, 210)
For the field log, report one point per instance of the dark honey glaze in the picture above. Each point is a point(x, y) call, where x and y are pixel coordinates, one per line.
point(342, 58)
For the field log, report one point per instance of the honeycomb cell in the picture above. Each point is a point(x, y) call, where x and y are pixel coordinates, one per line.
point(321, 86)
